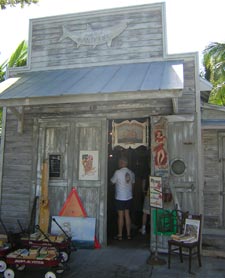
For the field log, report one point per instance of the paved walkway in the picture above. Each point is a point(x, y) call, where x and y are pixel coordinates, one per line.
point(136, 263)
point(119, 262)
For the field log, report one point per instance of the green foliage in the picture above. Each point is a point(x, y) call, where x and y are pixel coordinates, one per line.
point(17, 59)
point(3, 67)
point(214, 63)
point(13, 3)
point(217, 95)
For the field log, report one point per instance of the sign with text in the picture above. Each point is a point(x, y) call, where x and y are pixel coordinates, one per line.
point(156, 192)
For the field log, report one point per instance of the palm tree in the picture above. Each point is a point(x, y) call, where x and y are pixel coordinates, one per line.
point(214, 63)
point(19, 56)
point(3, 67)
point(17, 59)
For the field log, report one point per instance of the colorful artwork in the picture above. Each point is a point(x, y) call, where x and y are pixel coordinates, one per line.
point(81, 229)
point(156, 195)
point(159, 148)
point(88, 166)
point(130, 134)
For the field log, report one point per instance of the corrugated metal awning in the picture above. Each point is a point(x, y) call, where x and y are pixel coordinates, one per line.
point(127, 81)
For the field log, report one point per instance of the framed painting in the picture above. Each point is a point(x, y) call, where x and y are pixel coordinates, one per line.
point(130, 134)
point(88, 165)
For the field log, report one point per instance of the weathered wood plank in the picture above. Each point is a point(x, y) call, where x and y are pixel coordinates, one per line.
point(141, 38)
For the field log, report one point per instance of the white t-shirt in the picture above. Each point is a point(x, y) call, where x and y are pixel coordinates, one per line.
point(123, 179)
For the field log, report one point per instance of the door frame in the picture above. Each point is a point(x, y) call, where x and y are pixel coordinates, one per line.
point(221, 153)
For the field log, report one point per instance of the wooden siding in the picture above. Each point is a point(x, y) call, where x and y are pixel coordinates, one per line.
point(142, 40)
point(212, 179)
point(182, 145)
point(17, 173)
point(187, 103)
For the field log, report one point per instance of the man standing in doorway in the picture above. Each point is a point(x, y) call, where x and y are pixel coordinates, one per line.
point(124, 180)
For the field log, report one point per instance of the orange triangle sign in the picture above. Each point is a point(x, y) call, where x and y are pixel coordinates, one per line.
point(73, 207)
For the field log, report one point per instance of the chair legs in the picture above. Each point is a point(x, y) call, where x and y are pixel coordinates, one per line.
point(181, 254)
point(190, 259)
point(190, 254)
point(199, 257)
point(169, 255)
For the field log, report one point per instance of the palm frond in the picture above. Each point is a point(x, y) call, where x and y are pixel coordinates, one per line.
point(217, 95)
point(19, 55)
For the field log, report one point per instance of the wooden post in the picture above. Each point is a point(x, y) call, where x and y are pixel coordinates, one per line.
point(44, 202)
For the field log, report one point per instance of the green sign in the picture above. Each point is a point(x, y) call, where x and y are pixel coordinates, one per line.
point(165, 222)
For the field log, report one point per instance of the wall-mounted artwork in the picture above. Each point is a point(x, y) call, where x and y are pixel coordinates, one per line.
point(88, 165)
point(159, 148)
point(130, 134)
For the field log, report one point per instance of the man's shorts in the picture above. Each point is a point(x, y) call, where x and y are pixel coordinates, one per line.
point(122, 205)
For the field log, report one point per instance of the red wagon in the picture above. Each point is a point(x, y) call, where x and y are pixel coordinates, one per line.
point(34, 257)
point(63, 243)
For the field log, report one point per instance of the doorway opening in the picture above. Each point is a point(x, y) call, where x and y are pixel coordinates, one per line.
point(139, 162)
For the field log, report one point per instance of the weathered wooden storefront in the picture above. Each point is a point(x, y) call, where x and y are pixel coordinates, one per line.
point(87, 73)
point(213, 144)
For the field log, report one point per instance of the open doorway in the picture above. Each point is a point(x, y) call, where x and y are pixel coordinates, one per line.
point(139, 162)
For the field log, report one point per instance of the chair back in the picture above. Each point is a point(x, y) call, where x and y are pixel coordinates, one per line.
point(181, 217)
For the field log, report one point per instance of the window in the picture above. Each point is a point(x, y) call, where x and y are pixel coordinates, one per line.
point(55, 166)
point(178, 167)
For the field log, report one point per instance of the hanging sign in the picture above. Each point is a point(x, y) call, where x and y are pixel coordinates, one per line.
point(130, 134)
point(156, 194)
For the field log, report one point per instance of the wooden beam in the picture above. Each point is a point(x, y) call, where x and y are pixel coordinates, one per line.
point(175, 105)
point(83, 97)
point(19, 113)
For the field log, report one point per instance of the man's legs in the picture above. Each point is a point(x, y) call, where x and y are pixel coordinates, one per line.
point(120, 222)
point(128, 222)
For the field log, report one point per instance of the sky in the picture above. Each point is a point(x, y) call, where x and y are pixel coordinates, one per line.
point(191, 24)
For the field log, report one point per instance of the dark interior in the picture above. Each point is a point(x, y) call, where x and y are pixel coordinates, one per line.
point(139, 163)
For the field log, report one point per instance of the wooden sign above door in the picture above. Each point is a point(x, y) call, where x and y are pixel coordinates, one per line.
point(130, 134)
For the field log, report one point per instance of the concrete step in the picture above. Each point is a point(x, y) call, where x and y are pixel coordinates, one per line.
point(213, 245)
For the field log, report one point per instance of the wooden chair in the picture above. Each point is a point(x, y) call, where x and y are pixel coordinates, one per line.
point(193, 225)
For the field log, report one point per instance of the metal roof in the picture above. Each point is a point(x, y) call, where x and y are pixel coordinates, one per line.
point(136, 80)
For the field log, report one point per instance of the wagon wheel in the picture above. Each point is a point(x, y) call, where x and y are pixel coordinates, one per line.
point(9, 273)
point(3, 266)
point(20, 267)
point(50, 274)
point(60, 268)
point(64, 256)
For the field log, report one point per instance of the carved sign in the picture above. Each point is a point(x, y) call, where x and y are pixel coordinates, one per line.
point(94, 37)
point(130, 134)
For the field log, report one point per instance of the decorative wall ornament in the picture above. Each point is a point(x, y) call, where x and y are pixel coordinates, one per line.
point(94, 37)
point(130, 134)
point(159, 148)
point(177, 167)
point(88, 165)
